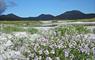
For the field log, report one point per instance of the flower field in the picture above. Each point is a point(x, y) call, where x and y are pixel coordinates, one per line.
point(68, 42)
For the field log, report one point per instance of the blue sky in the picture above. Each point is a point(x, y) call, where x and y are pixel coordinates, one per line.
point(26, 8)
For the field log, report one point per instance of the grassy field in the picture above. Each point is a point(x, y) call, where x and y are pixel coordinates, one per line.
point(65, 42)
point(68, 42)
point(82, 20)
point(77, 20)
point(33, 23)
point(22, 23)
point(17, 26)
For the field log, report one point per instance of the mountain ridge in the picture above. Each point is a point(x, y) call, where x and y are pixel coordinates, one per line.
point(74, 14)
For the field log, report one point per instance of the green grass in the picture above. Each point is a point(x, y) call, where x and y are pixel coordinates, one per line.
point(77, 20)
point(16, 26)
point(22, 23)
point(72, 29)
point(32, 30)
point(11, 29)
point(82, 20)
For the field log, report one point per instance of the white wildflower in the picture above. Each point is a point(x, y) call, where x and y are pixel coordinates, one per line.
point(52, 51)
point(8, 43)
point(36, 58)
point(57, 58)
point(1, 58)
point(46, 52)
point(66, 52)
point(94, 52)
point(48, 58)
point(40, 57)
point(40, 51)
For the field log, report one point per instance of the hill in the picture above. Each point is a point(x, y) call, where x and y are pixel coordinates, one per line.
point(10, 17)
point(69, 15)
point(74, 14)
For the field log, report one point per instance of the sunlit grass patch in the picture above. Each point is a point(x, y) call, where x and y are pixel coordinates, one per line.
point(72, 29)
point(32, 30)
point(11, 29)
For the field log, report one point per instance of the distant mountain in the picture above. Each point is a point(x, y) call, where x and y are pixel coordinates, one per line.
point(74, 14)
point(45, 17)
point(11, 17)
